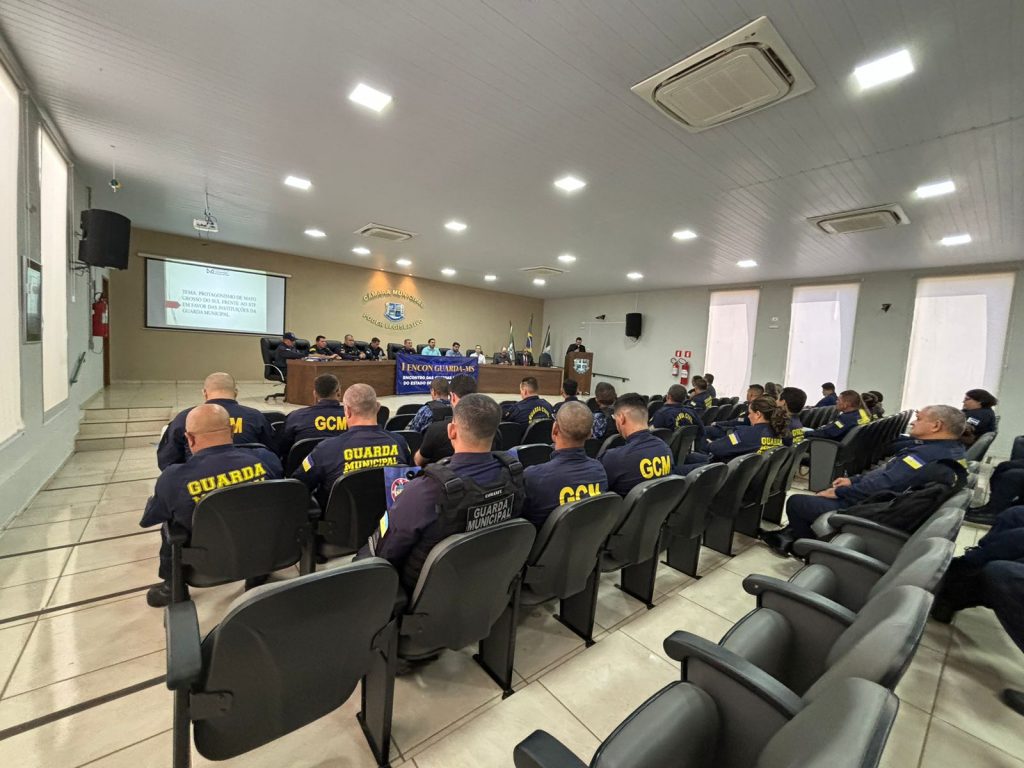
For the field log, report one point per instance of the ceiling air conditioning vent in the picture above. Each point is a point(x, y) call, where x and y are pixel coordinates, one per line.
point(863, 220)
point(748, 70)
point(542, 271)
point(385, 233)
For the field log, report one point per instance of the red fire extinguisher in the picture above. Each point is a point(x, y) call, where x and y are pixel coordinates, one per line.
point(684, 372)
point(675, 367)
point(100, 317)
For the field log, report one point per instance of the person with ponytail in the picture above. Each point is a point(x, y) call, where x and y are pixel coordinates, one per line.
point(769, 428)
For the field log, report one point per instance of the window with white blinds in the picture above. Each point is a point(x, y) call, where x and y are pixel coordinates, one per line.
point(958, 337)
point(731, 321)
point(821, 336)
point(10, 281)
point(53, 250)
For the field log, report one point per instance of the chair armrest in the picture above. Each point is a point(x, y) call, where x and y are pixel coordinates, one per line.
point(813, 551)
point(542, 750)
point(184, 652)
point(683, 646)
point(271, 365)
point(760, 586)
point(840, 521)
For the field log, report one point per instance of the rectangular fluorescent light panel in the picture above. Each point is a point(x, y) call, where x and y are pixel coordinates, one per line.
point(746, 263)
point(370, 97)
point(316, 233)
point(455, 226)
point(882, 70)
point(570, 183)
point(936, 189)
point(955, 240)
point(298, 183)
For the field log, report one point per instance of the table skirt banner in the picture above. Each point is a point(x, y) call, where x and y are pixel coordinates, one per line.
point(413, 373)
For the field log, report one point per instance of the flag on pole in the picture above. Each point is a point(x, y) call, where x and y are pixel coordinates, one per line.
point(529, 336)
point(511, 343)
point(547, 341)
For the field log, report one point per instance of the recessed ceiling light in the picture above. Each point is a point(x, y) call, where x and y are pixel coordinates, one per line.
point(298, 182)
point(891, 67)
point(490, 278)
point(539, 281)
point(955, 240)
point(370, 97)
point(635, 275)
point(746, 263)
point(936, 189)
point(361, 250)
point(403, 263)
point(455, 226)
point(570, 183)
point(313, 232)
point(448, 271)
point(567, 258)
point(684, 234)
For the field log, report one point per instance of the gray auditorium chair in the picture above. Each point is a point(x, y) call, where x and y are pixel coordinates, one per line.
point(354, 507)
point(563, 563)
point(830, 459)
point(242, 532)
point(664, 433)
point(884, 543)
point(383, 413)
point(652, 408)
point(299, 450)
point(728, 501)
point(511, 434)
point(284, 656)
point(468, 592)
point(592, 447)
point(399, 422)
point(533, 453)
point(776, 501)
point(748, 518)
point(538, 431)
point(729, 714)
point(713, 413)
point(410, 408)
point(412, 438)
point(685, 525)
point(612, 441)
point(851, 578)
point(681, 442)
point(633, 546)
point(980, 447)
point(806, 641)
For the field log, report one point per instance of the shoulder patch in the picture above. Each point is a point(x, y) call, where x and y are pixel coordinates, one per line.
point(838, 423)
point(307, 463)
point(912, 461)
point(733, 439)
point(383, 524)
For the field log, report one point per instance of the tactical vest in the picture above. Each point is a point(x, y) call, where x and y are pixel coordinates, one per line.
point(465, 505)
point(439, 411)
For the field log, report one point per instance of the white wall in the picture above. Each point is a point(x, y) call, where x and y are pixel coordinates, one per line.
point(677, 319)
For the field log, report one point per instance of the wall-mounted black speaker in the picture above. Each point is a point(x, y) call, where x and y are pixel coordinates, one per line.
point(634, 324)
point(105, 236)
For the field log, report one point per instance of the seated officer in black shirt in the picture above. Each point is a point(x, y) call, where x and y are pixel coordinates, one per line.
point(325, 419)
point(424, 515)
point(675, 413)
point(364, 444)
point(320, 349)
point(643, 457)
point(531, 407)
point(978, 404)
point(828, 395)
point(376, 351)
point(286, 351)
point(349, 350)
point(710, 379)
point(247, 424)
point(214, 463)
point(436, 445)
point(570, 475)
point(852, 413)
point(569, 390)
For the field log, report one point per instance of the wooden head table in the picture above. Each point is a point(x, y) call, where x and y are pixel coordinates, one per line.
point(381, 376)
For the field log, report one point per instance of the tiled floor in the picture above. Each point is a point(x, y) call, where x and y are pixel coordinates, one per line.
point(448, 714)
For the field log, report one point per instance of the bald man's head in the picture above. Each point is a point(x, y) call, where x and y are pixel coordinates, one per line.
point(207, 426)
point(218, 386)
point(573, 424)
point(361, 405)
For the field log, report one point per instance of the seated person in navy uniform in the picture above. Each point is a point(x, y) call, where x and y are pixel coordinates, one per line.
point(675, 413)
point(424, 514)
point(700, 400)
point(407, 348)
point(247, 424)
point(569, 390)
point(828, 396)
point(320, 349)
point(531, 407)
point(717, 429)
point(852, 413)
point(604, 423)
point(214, 462)
point(978, 404)
point(324, 419)
point(643, 457)
point(436, 445)
point(710, 379)
point(570, 475)
point(455, 350)
point(438, 408)
point(376, 351)
point(793, 399)
point(364, 444)
point(936, 433)
point(1005, 489)
point(286, 351)
point(769, 428)
point(349, 350)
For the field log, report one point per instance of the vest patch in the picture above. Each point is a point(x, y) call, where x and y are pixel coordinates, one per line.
point(491, 513)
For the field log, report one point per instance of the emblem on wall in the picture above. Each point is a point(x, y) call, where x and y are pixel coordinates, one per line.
point(395, 311)
point(394, 315)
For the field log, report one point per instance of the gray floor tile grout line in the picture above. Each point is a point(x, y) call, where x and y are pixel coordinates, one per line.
point(122, 749)
point(572, 714)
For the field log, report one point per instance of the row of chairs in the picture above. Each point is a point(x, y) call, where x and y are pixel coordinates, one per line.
point(860, 448)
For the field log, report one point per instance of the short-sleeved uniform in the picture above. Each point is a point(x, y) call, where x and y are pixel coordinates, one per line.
point(897, 474)
point(570, 475)
point(837, 429)
point(827, 401)
point(739, 441)
point(247, 426)
point(528, 410)
point(700, 401)
point(982, 420)
point(675, 415)
point(325, 419)
point(180, 487)
point(356, 448)
point(559, 404)
point(435, 410)
point(643, 457)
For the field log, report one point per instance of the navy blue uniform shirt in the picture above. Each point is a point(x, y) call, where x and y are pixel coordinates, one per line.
point(796, 430)
point(356, 448)
point(844, 422)
point(180, 487)
point(325, 419)
point(570, 475)
point(247, 426)
point(376, 354)
point(982, 419)
point(700, 401)
point(675, 415)
point(827, 401)
point(528, 410)
point(643, 457)
point(283, 354)
point(739, 441)
point(900, 472)
point(558, 405)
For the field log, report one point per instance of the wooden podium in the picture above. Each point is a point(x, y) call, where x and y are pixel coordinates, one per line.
point(579, 366)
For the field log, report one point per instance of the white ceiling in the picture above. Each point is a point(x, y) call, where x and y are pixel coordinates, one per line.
point(495, 99)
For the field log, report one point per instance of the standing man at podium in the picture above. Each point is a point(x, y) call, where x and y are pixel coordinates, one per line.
point(576, 346)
